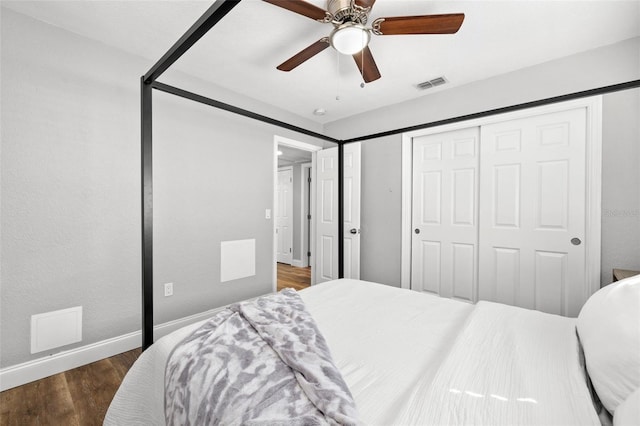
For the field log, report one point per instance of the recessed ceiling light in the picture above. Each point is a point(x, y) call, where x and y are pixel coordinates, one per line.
point(319, 111)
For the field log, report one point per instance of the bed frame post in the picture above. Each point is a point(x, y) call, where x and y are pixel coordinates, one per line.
point(340, 210)
point(215, 13)
point(210, 18)
point(146, 145)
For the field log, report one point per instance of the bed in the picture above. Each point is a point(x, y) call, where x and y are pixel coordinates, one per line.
point(414, 358)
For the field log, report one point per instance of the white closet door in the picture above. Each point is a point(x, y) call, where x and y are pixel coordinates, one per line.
point(352, 177)
point(445, 211)
point(284, 217)
point(532, 212)
point(326, 241)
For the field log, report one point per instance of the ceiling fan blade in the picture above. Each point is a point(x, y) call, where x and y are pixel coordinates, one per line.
point(426, 24)
point(304, 55)
point(365, 3)
point(367, 65)
point(301, 7)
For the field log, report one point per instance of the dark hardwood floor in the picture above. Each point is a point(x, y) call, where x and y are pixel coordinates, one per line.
point(291, 276)
point(76, 397)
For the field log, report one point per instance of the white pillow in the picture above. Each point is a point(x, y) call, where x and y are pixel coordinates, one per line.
point(628, 413)
point(609, 329)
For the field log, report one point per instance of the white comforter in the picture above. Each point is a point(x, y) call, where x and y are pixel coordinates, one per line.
point(509, 366)
point(412, 358)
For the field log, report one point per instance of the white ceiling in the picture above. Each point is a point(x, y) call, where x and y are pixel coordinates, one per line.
point(242, 51)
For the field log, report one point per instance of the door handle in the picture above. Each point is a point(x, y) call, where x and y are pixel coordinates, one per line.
point(576, 241)
point(354, 231)
point(417, 231)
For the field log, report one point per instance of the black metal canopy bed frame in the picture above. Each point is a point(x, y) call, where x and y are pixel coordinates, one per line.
point(149, 82)
point(351, 352)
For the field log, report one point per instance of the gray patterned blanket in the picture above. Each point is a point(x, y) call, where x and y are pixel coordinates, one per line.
point(256, 363)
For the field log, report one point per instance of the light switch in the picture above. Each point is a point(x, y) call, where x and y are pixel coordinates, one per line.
point(267, 214)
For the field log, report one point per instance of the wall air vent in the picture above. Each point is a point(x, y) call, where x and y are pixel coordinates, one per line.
point(438, 81)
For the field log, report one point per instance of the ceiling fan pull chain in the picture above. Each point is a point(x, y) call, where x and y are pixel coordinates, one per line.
point(362, 62)
point(337, 76)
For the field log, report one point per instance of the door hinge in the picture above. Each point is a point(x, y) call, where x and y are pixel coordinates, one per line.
point(289, 249)
point(276, 230)
point(309, 216)
point(309, 180)
point(290, 179)
point(309, 254)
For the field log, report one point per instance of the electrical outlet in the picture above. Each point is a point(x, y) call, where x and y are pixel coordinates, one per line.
point(168, 289)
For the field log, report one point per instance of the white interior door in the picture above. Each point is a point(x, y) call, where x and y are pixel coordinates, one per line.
point(532, 212)
point(325, 267)
point(284, 216)
point(352, 179)
point(445, 212)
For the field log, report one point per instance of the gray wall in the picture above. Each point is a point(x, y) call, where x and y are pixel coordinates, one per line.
point(70, 183)
point(620, 182)
point(70, 195)
point(380, 219)
point(381, 199)
point(212, 183)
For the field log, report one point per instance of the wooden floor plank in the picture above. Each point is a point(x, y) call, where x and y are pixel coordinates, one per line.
point(77, 397)
point(45, 402)
point(293, 277)
point(92, 388)
point(123, 362)
point(57, 402)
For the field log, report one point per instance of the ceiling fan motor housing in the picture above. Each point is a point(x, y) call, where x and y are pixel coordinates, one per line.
point(347, 11)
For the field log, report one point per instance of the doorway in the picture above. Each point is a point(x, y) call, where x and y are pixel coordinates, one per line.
point(293, 208)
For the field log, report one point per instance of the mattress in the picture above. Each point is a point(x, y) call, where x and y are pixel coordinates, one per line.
point(414, 358)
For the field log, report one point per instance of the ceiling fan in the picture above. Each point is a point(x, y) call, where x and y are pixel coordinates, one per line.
point(350, 36)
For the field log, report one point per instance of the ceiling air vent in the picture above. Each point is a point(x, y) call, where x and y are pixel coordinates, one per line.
point(438, 81)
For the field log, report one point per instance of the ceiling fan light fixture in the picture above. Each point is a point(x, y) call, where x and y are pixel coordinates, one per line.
point(350, 38)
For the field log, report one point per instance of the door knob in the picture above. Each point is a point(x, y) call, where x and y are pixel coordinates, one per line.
point(354, 231)
point(417, 231)
point(576, 241)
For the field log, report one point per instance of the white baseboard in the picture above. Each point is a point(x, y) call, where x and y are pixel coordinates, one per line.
point(298, 263)
point(20, 374)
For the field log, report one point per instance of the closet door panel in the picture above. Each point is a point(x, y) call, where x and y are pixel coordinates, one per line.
point(463, 207)
point(464, 271)
point(506, 196)
point(533, 204)
point(445, 214)
point(427, 269)
point(507, 268)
